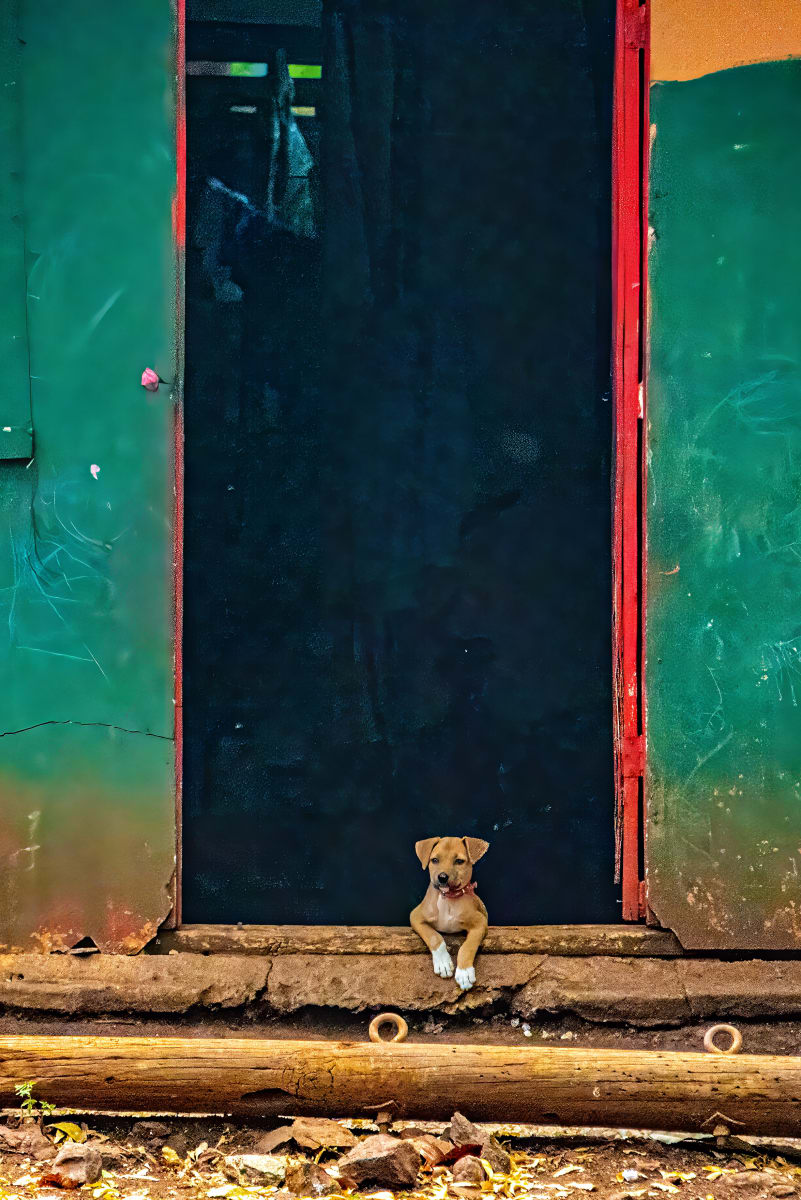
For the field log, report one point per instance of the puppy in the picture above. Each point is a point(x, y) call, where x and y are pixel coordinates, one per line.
point(450, 904)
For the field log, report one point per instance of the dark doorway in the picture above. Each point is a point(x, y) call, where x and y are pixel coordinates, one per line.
point(398, 441)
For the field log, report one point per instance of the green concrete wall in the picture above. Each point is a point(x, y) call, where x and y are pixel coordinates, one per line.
point(723, 678)
point(86, 654)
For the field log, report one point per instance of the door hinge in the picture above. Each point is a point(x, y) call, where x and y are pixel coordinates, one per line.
point(633, 757)
point(634, 26)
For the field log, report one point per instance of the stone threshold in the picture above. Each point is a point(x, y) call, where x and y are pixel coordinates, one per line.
point(630, 989)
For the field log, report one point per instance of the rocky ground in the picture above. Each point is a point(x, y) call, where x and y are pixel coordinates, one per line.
point(158, 1159)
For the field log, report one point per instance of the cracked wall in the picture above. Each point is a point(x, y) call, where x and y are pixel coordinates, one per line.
point(86, 646)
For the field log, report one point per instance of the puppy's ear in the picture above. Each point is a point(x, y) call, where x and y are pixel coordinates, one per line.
point(476, 848)
point(424, 849)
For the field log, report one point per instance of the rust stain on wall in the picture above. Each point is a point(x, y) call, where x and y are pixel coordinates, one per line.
point(689, 38)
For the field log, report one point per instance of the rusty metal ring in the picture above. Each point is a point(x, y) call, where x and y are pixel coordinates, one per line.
point(401, 1028)
point(734, 1033)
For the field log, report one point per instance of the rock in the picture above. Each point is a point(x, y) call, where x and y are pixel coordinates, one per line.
point(310, 1133)
point(266, 1168)
point(111, 1156)
point(74, 1165)
point(752, 1181)
point(313, 1133)
point(382, 1159)
point(178, 1143)
point(783, 1189)
point(469, 1170)
point(149, 1131)
point(464, 1134)
point(272, 1140)
point(27, 1139)
point(310, 1179)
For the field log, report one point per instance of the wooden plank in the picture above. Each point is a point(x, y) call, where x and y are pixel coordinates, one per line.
point(760, 1094)
point(570, 940)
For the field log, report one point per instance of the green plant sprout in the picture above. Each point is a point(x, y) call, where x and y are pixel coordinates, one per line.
point(30, 1105)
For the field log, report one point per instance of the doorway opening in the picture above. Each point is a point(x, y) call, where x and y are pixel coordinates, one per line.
point(399, 431)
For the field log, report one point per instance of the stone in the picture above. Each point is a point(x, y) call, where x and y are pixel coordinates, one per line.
point(266, 1168)
point(783, 1189)
point(272, 1140)
point(74, 1165)
point(752, 1181)
point(310, 1179)
point(178, 1143)
point(383, 1159)
point(314, 1133)
point(469, 1170)
point(598, 988)
point(149, 1131)
point(401, 982)
point(107, 983)
point(27, 1139)
point(464, 1133)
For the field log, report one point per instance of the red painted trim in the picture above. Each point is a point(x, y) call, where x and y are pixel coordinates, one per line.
point(629, 149)
point(179, 236)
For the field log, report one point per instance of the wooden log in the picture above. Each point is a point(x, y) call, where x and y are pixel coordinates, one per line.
point(570, 940)
point(759, 1094)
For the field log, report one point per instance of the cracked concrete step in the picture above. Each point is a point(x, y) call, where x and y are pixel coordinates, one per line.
point(636, 991)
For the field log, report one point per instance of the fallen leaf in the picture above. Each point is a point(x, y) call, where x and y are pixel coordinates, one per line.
point(566, 1170)
point(70, 1130)
point(170, 1156)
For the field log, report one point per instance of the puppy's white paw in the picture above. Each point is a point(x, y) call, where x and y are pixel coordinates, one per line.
point(443, 963)
point(465, 977)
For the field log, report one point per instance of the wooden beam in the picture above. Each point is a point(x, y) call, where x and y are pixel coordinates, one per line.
point(758, 1094)
point(571, 940)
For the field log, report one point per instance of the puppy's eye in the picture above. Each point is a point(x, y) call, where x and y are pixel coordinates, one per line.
point(435, 861)
point(459, 862)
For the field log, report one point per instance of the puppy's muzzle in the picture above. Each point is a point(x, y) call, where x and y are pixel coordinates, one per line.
point(442, 878)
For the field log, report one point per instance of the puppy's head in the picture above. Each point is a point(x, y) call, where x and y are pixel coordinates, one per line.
point(449, 860)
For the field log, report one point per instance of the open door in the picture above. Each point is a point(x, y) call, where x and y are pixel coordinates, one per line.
point(723, 638)
point(87, 762)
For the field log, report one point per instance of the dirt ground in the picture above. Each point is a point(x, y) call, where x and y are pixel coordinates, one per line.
point(187, 1157)
point(190, 1162)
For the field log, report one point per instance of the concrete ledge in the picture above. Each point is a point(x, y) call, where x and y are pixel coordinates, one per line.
point(635, 991)
point(113, 983)
point(562, 940)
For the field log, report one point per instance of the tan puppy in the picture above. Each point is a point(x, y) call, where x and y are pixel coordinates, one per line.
point(450, 904)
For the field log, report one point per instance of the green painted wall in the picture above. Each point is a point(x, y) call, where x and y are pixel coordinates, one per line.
point(86, 714)
point(724, 509)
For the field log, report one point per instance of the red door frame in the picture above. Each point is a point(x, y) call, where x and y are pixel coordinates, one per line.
point(630, 142)
point(179, 236)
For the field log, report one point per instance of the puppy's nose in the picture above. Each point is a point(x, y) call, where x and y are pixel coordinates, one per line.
point(443, 877)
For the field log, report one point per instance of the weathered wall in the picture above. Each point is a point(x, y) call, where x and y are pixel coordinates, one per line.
point(724, 461)
point(86, 714)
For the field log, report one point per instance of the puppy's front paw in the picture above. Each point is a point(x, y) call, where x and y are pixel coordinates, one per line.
point(443, 963)
point(465, 977)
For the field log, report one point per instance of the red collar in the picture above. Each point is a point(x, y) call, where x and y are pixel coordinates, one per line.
point(454, 893)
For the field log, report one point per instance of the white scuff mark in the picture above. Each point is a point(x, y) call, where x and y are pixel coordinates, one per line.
point(741, 145)
point(6, 429)
point(101, 312)
point(94, 470)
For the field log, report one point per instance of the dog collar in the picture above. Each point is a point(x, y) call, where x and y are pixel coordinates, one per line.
point(468, 889)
